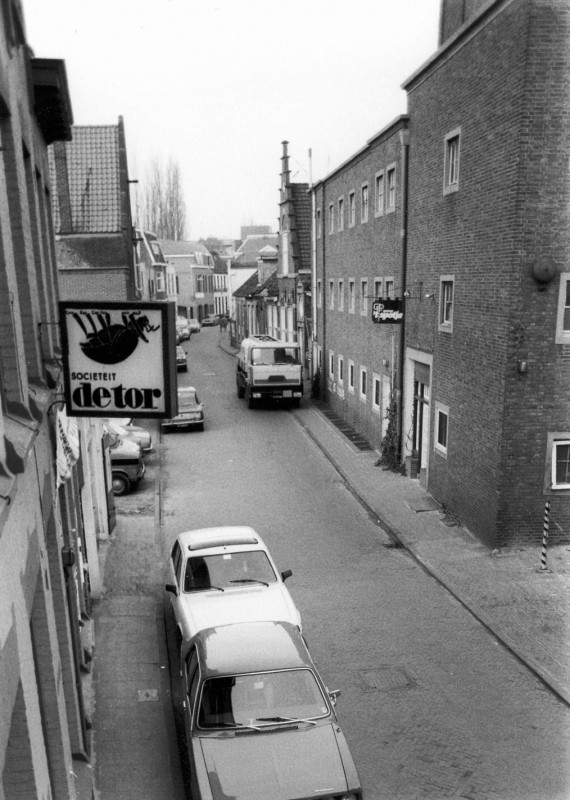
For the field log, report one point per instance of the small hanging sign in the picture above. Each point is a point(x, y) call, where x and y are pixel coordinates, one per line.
point(387, 311)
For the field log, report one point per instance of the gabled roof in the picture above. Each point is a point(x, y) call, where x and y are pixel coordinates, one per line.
point(86, 173)
point(250, 248)
point(248, 287)
point(182, 248)
point(253, 288)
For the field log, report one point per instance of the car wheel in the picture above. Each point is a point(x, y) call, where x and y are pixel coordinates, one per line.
point(249, 398)
point(120, 484)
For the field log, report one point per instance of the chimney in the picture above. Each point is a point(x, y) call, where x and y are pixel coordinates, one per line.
point(285, 172)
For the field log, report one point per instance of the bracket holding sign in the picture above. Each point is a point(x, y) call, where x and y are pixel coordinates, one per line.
point(387, 311)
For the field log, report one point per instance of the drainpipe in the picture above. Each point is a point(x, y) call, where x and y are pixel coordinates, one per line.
point(405, 145)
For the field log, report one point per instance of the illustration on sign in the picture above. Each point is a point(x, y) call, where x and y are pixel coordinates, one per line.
point(387, 310)
point(118, 358)
point(112, 344)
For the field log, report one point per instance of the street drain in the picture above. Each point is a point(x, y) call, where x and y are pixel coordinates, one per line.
point(146, 695)
point(389, 678)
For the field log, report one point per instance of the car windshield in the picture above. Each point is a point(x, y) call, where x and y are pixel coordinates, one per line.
point(261, 698)
point(188, 399)
point(274, 355)
point(228, 570)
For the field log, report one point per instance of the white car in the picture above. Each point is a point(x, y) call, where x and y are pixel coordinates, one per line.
point(224, 575)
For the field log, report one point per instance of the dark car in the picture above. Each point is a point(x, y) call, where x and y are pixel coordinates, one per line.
point(181, 359)
point(190, 411)
point(259, 721)
point(213, 319)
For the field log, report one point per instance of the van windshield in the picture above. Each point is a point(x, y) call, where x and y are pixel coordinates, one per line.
point(274, 355)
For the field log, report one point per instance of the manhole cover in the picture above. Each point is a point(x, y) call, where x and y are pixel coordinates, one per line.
point(146, 695)
point(389, 679)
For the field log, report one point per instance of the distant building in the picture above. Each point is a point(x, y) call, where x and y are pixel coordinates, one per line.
point(193, 265)
point(250, 248)
point(254, 230)
point(155, 277)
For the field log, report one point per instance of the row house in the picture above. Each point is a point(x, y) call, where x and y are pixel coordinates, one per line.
point(155, 278)
point(292, 315)
point(47, 499)
point(193, 267)
point(220, 277)
point(92, 215)
point(460, 211)
point(253, 302)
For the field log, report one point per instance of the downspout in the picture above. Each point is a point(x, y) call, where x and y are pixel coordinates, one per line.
point(405, 145)
point(324, 365)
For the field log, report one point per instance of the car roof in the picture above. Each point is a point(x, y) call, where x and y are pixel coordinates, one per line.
point(204, 538)
point(251, 647)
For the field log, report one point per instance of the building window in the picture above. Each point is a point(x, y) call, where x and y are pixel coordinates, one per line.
point(319, 224)
point(451, 161)
point(363, 383)
point(389, 287)
point(319, 294)
point(563, 316)
point(351, 297)
point(331, 218)
point(377, 288)
point(441, 428)
point(341, 295)
point(159, 278)
point(376, 392)
point(391, 199)
point(446, 303)
point(351, 210)
point(561, 464)
point(340, 376)
point(379, 207)
point(331, 364)
point(351, 376)
point(341, 213)
point(364, 297)
point(331, 294)
point(364, 203)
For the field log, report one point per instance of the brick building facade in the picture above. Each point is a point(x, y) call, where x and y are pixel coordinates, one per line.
point(479, 255)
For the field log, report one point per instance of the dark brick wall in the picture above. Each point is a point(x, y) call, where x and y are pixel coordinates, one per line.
point(507, 88)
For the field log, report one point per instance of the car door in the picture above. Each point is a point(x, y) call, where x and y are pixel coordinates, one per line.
point(176, 561)
point(191, 678)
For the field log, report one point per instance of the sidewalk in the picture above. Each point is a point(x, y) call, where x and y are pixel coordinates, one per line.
point(526, 608)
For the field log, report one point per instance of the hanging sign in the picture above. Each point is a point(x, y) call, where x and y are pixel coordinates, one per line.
point(119, 359)
point(386, 311)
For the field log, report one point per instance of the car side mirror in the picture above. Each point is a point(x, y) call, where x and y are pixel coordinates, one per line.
point(334, 695)
point(286, 574)
point(171, 587)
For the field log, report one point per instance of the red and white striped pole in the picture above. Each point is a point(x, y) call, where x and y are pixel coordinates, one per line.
point(545, 535)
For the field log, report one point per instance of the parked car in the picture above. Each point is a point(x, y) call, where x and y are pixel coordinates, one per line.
point(123, 427)
point(226, 574)
point(127, 466)
point(194, 326)
point(213, 319)
point(183, 328)
point(190, 411)
point(181, 359)
point(259, 721)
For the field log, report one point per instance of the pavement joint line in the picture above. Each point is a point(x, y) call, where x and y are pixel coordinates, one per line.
point(400, 542)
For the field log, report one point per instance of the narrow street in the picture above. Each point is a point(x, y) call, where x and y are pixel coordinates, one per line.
point(432, 705)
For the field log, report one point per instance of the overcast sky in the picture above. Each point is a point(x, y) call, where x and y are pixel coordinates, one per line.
point(217, 85)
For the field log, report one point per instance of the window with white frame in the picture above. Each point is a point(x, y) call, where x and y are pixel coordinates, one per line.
point(159, 278)
point(331, 294)
point(340, 373)
point(389, 286)
point(363, 383)
point(364, 203)
point(331, 364)
point(351, 210)
point(441, 440)
point(351, 375)
point(341, 213)
point(363, 296)
point(331, 218)
point(376, 392)
point(341, 295)
point(391, 189)
point(377, 287)
point(563, 315)
point(319, 224)
point(446, 292)
point(451, 161)
point(559, 457)
point(351, 296)
point(379, 204)
point(319, 294)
